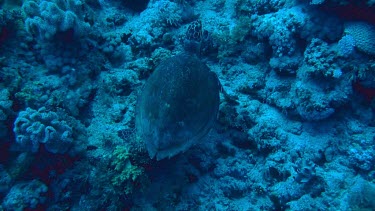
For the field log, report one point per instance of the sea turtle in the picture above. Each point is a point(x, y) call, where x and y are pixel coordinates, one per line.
point(178, 106)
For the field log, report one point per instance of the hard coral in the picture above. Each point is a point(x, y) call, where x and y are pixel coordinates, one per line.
point(364, 36)
point(18, 200)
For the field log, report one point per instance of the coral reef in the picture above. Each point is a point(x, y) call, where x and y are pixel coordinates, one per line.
point(35, 127)
point(363, 35)
point(47, 18)
point(128, 176)
point(5, 111)
point(16, 199)
point(213, 105)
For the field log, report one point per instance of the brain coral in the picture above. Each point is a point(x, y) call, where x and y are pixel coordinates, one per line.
point(178, 106)
point(364, 36)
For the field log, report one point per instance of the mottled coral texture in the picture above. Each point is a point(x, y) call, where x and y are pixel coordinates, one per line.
point(364, 36)
point(35, 127)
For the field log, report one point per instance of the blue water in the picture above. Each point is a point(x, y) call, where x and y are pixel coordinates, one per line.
point(187, 105)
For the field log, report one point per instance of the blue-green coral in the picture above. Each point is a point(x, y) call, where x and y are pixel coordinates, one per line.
point(127, 176)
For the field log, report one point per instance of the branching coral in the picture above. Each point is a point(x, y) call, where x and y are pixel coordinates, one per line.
point(127, 176)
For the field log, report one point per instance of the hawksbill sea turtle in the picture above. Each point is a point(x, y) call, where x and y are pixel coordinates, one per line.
point(178, 106)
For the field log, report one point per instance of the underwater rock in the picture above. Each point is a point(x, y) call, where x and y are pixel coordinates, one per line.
point(178, 106)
